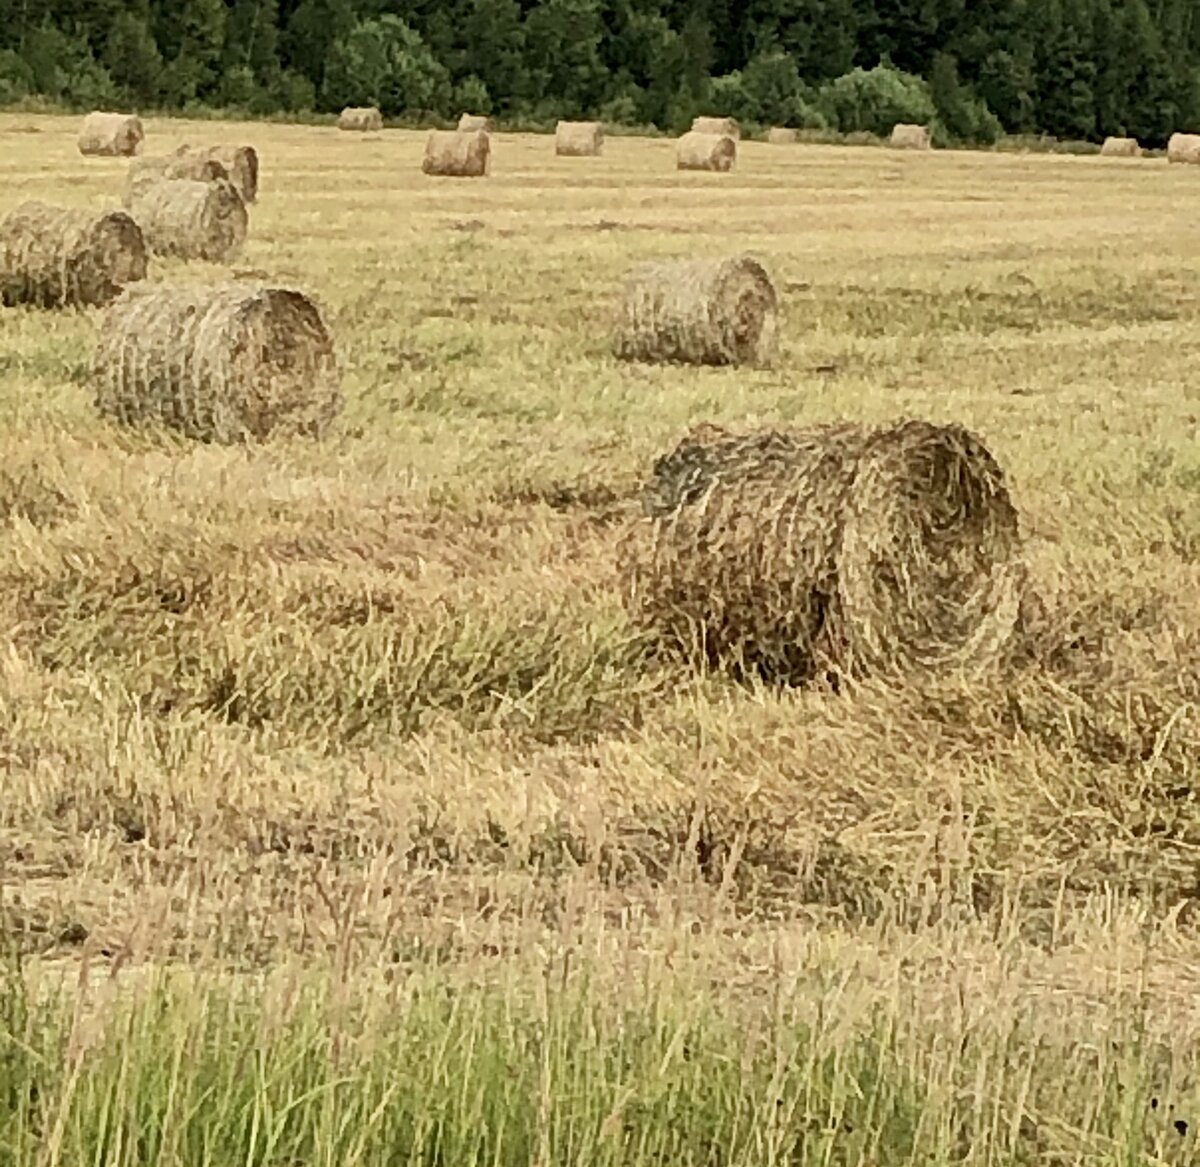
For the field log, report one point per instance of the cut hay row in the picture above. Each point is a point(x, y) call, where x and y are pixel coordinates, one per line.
point(360, 120)
point(835, 549)
point(54, 257)
point(782, 136)
point(455, 154)
point(224, 363)
point(723, 127)
point(1121, 148)
point(578, 139)
point(698, 311)
point(697, 151)
point(190, 220)
point(909, 137)
point(1184, 148)
point(113, 135)
point(472, 123)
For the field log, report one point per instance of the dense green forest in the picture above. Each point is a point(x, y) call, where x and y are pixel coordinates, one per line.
point(1069, 68)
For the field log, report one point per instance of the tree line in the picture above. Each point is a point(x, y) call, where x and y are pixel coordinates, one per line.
point(1074, 69)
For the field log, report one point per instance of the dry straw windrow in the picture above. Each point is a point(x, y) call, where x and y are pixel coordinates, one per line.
point(782, 136)
point(1121, 148)
point(725, 127)
point(1184, 148)
point(224, 363)
point(697, 151)
point(699, 311)
point(472, 123)
point(55, 256)
point(578, 139)
point(840, 548)
point(454, 154)
point(116, 135)
point(909, 137)
point(190, 220)
point(360, 120)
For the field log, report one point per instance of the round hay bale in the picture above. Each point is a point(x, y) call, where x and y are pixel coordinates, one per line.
point(361, 121)
point(578, 139)
point(53, 256)
point(190, 220)
point(833, 549)
point(695, 151)
point(724, 127)
point(192, 167)
point(472, 123)
point(782, 136)
point(237, 163)
point(1184, 148)
point(909, 137)
point(1121, 148)
point(451, 154)
point(114, 135)
point(224, 363)
point(698, 311)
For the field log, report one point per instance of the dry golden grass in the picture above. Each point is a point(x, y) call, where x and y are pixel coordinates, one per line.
point(377, 697)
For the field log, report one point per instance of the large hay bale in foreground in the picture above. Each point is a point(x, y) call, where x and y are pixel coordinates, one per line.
point(190, 220)
point(698, 311)
point(472, 123)
point(1121, 148)
point(54, 256)
point(782, 136)
point(223, 363)
point(114, 135)
point(724, 127)
point(908, 137)
point(696, 151)
point(578, 139)
point(360, 120)
point(451, 154)
point(835, 549)
point(1184, 148)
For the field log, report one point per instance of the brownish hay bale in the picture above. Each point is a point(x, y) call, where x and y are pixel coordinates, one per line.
point(111, 134)
point(224, 363)
point(837, 549)
point(52, 256)
point(725, 127)
point(907, 137)
point(472, 123)
point(781, 136)
point(363, 121)
point(238, 163)
point(191, 167)
point(578, 139)
point(190, 220)
point(451, 154)
point(1184, 148)
point(698, 311)
point(696, 151)
point(1121, 148)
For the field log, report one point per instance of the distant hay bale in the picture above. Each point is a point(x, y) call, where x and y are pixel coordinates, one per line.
point(908, 137)
point(698, 311)
point(782, 136)
point(1184, 148)
point(725, 127)
point(472, 123)
point(54, 257)
point(578, 139)
point(1121, 148)
point(834, 549)
point(362, 121)
point(224, 363)
point(190, 220)
point(455, 154)
point(696, 151)
point(115, 135)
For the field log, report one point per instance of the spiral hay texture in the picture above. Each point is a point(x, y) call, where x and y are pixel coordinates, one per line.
point(578, 139)
point(54, 257)
point(781, 136)
point(1184, 148)
point(359, 120)
point(472, 123)
point(696, 151)
point(114, 135)
point(908, 137)
point(835, 549)
point(722, 127)
point(1121, 148)
point(454, 154)
point(190, 220)
point(699, 312)
point(225, 363)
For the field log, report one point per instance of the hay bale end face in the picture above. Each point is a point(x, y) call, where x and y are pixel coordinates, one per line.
point(908, 137)
point(451, 154)
point(1184, 148)
point(578, 139)
point(696, 151)
point(360, 120)
point(1121, 148)
point(792, 554)
point(698, 311)
point(55, 257)
point(781, 136)
point(113, 135)
point(472, 123)
point(190, 220)
point(225, 363)
point(725, 127)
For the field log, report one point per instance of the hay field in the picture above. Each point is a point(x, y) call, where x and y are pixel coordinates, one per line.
point(346, 820)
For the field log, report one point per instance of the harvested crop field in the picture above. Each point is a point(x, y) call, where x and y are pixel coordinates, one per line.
point(349, 816)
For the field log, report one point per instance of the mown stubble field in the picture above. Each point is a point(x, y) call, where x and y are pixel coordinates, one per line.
point(347, 752)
